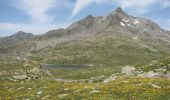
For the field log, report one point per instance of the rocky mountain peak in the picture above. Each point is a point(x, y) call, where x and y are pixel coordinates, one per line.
point(89, 16)
point(21, 34)
point(119, 10)
point(15, 38)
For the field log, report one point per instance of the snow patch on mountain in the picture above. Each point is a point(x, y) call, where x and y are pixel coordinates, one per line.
point(129, 25)
point(136, 21)
point(125, 20)
point(121, 23)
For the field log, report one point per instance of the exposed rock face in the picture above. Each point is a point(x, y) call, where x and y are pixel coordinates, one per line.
point(116, 18)
point(52, 34)
point(22, 36)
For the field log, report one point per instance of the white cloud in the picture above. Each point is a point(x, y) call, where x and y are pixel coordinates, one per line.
point(142, 7)
point(81, 4)
point(137, 6)
point(166, 3)
point(40, 21)
point(36, 9)
point(135, 3)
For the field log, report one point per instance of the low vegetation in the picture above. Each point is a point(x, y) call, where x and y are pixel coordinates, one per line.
point(125, 89)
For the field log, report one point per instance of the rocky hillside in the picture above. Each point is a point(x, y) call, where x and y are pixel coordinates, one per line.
point(92, 25)
point(15, 38)
point(116, 38)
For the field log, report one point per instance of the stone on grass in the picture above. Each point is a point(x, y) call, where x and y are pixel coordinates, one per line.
point(95, 91)
point(35, 70)
point(20, 77)
point(109, 79)
point(40, 92)
point(62, 95)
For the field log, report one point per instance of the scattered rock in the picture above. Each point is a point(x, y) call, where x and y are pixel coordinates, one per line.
point(65, 89)
point(40, 92)
point(12, 79)
point(95, 91)
point(62, 95)
point(47, 96)
point(29, 88)
point(20, 88)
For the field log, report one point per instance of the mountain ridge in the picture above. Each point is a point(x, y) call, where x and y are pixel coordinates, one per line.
point(93, 25)
point(114, 39)
point(15, 38)
point(87, 22)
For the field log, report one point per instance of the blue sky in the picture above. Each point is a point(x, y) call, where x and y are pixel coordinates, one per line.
point(39, 16)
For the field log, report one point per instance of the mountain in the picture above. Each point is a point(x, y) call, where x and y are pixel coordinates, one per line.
point(114, 39)
point(15, 38)
point(92, 25)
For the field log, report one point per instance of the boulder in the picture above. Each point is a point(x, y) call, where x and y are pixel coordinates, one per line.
point(95, 91)
point(128, 70)
point(109, 79)
point(20, 77)
point(62, 95)
point(35, 70)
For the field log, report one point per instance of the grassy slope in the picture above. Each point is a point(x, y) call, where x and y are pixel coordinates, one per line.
point(163, 63)
point(107, 49)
